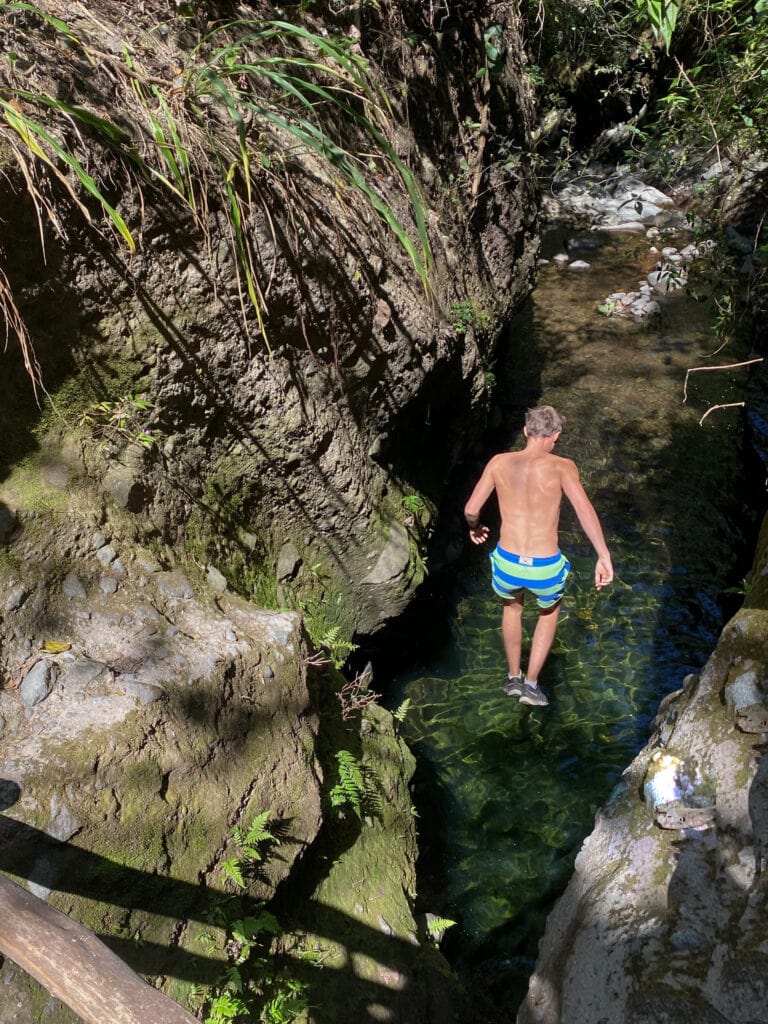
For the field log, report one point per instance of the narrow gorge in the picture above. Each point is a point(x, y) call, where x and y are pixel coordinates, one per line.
point(266, 275)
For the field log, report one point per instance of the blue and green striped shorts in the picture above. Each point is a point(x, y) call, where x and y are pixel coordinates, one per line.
point(545, 578)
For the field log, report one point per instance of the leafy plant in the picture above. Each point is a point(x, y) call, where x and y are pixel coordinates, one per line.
point(464, 315)
point(662, 15)
point(437, 925)
point(494, 53)
point(123, 419)
point(413, 504)
point(253, 105)
point(254, 842)
point(608, 308)
point(252, 987)
point(351, 789)
point(401, 712)
point(338, 649)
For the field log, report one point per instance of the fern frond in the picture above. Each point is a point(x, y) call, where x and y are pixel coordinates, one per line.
point(400, 713)
point(233, 870)
point(439, 924)
point(351, 788)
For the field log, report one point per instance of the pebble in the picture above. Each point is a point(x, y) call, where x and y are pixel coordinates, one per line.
point(38, 683)
point(216, 580)
point(145, 693)
point(106, 554)
point(108, 584)
point(176, 585)
point(579, 265)
point(16, 598)
point(73, 587)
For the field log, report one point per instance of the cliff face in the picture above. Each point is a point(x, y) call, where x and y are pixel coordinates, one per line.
point(664, 918)
point(142, 722)
point(303, 378)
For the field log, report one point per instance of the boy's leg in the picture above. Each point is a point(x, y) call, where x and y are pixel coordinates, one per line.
point(512, 631)
point(541, 644)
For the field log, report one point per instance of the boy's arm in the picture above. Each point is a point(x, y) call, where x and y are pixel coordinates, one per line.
point(589, 521)
point(484, 488)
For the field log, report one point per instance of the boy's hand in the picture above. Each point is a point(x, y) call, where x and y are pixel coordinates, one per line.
point(603, 573)
point(479, 533)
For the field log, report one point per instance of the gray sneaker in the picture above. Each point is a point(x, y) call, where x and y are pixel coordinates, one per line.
point(533, 695)
point(514, 686)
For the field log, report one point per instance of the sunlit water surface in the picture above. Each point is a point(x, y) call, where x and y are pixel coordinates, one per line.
point(505, 793)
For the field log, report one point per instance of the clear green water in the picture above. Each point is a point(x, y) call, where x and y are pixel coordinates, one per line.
point(506, 793)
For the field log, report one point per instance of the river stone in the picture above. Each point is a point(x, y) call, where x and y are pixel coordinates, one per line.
point(288, 562)
point(632, 187)
point(175, 585)
point(216, 580)
point(72, 586)
point(394, 559)
point(38, 683)
point(108, 585)
point(743, 688)
point(106, 555)
point(16, 598)
point(145, 693)
point(584, 243)
point(127, 492)
point(631, 226)
point(62, 824)
point(82, 672)
point(7, 521)
point(579, 265)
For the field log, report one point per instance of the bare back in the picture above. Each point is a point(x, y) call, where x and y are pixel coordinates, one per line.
point(529, 489)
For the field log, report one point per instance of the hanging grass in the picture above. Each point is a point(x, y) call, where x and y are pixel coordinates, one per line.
point(253, 109)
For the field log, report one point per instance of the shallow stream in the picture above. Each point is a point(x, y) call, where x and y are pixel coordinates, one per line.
point(506, 793)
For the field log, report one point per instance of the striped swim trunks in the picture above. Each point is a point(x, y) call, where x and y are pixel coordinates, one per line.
point(544, 577)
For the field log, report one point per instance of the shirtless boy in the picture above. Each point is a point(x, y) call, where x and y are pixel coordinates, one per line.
point(529, 487)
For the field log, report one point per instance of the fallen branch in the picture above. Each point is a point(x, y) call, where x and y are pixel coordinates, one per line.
point(727, 405)
point(724, 366)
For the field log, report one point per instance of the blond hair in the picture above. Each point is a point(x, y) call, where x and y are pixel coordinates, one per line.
point(543, 421)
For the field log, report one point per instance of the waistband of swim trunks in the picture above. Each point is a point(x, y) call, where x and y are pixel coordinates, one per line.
point(518, 559)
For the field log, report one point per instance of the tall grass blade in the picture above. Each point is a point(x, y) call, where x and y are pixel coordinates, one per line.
point(30, 132)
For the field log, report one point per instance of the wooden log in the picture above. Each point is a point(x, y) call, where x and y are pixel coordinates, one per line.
point(76, 967)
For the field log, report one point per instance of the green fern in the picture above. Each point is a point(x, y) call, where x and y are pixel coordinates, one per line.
point(400, 713)
point(256, 833)
point(252, 842)
point(351, 788)
point(439, 924)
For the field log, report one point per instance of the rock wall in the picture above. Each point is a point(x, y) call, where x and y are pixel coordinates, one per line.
point(142, 719)
point(664, 919)
point(282, 457)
